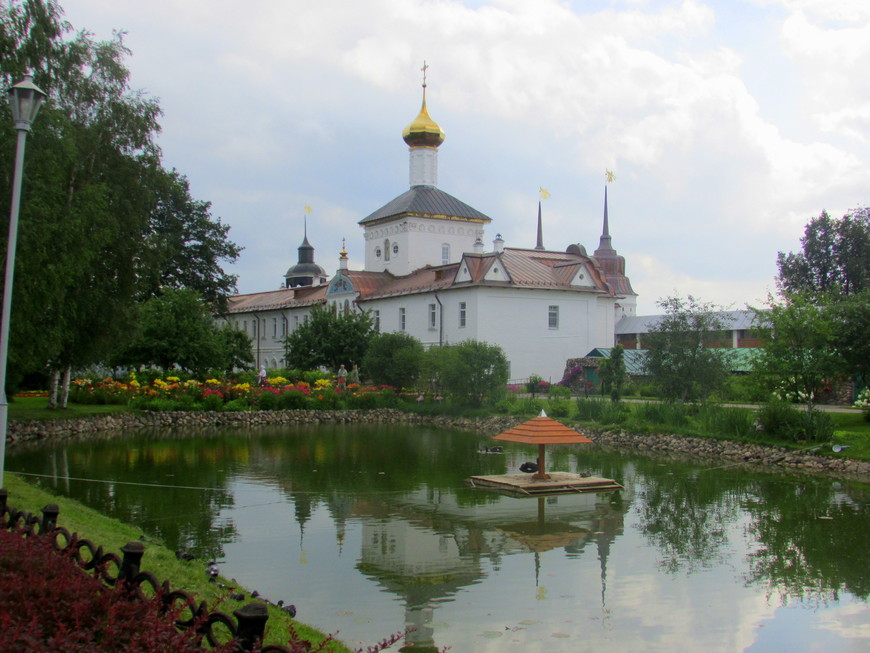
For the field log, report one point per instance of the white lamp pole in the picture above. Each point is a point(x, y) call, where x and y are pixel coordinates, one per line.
point(25, 98)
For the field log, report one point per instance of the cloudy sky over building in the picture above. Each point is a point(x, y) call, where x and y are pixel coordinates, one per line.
point(729, 123)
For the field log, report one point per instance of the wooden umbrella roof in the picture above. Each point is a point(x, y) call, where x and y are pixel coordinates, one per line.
point(542, 430)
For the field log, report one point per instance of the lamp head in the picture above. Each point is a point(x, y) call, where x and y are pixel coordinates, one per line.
point(25, 98)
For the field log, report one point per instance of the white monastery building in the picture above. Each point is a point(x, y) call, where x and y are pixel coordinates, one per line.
point(427, 274)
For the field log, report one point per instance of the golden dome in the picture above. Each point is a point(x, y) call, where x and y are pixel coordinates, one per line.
point(423, 132)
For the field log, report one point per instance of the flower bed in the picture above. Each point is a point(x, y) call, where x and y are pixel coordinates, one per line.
point(277, 393)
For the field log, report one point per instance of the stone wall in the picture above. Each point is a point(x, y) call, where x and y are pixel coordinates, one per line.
point(650, 444)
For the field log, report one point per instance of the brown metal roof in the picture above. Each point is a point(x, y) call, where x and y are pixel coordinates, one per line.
point(542, 430)
point(276, 299)
point(422, 280)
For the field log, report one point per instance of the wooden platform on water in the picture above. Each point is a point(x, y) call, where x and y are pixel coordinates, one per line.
point(558, 483)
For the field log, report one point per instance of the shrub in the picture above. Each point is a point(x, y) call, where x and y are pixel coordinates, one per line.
point(527, 406)
point(266, 400)
point(237, 404)
point(559, 408)
point(212, 401)
point(157, 404)
point(559, 392)
point(781, 421)
point(50, 604)
point(292, 400)
point(504, 406)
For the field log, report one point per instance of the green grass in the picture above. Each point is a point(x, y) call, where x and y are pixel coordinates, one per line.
point(159, 560)
point(36, 408)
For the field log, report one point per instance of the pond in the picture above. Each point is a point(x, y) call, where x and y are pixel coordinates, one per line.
point(369, 529)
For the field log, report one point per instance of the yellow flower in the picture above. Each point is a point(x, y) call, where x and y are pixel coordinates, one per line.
point(173, 379)
point(213, 381)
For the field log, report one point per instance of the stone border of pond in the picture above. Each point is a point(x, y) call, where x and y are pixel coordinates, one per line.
point(736, 453)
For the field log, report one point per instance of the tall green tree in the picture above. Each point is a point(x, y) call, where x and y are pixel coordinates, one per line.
point(394, 359)
point(89, 163)
point(328, 339)
point(684, 354)
point(834, 257)
point(187, 247)
point(99, 214)
point(798, 356)
point(470, 371)
point(177, 329)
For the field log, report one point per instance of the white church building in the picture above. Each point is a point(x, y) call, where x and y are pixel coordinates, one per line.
point(428, 273)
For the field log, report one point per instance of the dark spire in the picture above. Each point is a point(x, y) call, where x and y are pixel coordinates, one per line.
point(306, 272)
point(605, 248)
point(540, 244)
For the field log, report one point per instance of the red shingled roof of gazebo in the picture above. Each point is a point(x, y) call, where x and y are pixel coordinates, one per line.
point(542, 430)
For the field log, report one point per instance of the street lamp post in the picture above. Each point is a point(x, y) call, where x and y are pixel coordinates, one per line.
point(25, 98)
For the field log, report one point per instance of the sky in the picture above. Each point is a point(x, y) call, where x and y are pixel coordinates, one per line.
point(729, 124)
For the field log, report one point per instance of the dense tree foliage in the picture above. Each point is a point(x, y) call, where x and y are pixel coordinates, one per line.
point(186, 245)
point(328, 339)
point(834, 257)
point(102, 224)
point(798, 356)
point(394, 359)
point(470, 371)
point(850, 317)
point(612, 373)
point(683, 354)
point(176, 329)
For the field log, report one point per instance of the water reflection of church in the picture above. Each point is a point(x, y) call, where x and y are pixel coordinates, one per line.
point(427, 546)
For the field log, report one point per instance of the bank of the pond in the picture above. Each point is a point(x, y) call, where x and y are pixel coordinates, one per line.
point(741, 453)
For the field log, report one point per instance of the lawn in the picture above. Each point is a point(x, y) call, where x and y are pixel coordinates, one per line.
point(24, 408)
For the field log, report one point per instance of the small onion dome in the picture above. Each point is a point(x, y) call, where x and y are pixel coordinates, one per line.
point(423, 132)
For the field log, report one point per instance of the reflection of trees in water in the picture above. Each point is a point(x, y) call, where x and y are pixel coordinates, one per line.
point(811, 539)
point(124, 479)
point(685, 512)
point(808, 534)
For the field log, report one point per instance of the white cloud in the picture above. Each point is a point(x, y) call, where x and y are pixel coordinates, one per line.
point(530, 93)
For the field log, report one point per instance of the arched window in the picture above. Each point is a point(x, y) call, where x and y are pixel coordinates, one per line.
point(387, 249)
point(445, 254)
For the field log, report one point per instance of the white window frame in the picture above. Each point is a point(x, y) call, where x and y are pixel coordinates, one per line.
point(553, 316)
point(463, 314)
point(433, 317)
point(402, 319)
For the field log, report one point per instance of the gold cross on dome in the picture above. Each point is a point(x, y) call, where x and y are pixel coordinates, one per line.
point(424, 69)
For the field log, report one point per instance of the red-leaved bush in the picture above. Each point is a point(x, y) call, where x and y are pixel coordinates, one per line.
point(47, 603)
